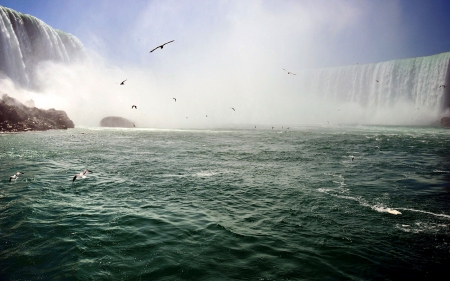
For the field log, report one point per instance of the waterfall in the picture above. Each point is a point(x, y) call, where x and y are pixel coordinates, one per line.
point(25, 41)
point(417, 81)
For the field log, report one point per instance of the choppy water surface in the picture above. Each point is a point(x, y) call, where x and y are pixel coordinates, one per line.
point(226, 205)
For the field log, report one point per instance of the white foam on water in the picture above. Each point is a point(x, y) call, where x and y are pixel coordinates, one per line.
point(386, 210)
point(205, 174)
point(361, 201)
point(426, 212)
point(423, 227)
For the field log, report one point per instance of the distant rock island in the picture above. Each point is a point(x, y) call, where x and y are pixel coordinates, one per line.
point(17, 117)
point(115, 121)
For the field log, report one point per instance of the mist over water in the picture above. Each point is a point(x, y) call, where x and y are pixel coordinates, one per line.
point(237, 61)
point(90, 91)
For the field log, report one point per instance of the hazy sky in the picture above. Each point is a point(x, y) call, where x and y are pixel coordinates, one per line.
point(347, 31)
point(231, 53)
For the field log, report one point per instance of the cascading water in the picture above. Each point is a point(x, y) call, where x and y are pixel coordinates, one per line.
point(25, 41)
point(418, 81)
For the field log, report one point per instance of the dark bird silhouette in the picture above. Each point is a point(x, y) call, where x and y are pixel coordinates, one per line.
point(443, 86)
point(123, 82)
point(233, 109)
point(273, 127)
point(15, 176)
point(133, 106)
point(377, 80)
point(161, 46)
point(289, 72)
point(353, 158)
point(175, 99)
point(81, 175)
point(206, 115)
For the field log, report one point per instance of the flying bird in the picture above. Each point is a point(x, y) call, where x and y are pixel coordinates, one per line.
point(174, 99)
point(133, 106)
point(15, 176)
point(289, 72)
point(161, 46)
point(443, 86)
point(81, 175)
point(123, 82)
point(233, 109)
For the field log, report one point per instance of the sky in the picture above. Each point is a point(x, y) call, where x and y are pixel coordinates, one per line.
point(228, 53)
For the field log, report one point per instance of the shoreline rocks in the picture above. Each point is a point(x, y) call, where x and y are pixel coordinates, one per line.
point(17, 117)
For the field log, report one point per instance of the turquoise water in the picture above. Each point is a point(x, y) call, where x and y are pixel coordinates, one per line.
point(226, 204)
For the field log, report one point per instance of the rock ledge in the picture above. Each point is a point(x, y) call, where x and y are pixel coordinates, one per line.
point(16, 117)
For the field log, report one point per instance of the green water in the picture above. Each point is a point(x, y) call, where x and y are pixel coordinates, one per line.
point(226, 204)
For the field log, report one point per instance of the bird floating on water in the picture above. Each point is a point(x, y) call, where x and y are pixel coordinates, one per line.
point(353, 158)
point(123, 82)
point(15, 176)
point(81, 175)
point(289, 72)
point(133, 106)
point(161, 46)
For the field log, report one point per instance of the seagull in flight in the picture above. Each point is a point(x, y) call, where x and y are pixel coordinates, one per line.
point(81, 175)
point(233, 109)
point(15, 176)
point(133, 106)
point(174, 99)
point(161, 46)
point(289, 72)
point(123, 82)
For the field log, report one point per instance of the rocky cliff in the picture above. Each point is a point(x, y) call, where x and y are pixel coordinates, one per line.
point(17, 117)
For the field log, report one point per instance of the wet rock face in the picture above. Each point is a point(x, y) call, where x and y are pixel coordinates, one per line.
point(16, 117)
point(445, 122)
point(115, 121)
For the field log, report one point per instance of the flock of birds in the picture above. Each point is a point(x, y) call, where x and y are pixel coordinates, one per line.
point(175, 99)
point(80, 175)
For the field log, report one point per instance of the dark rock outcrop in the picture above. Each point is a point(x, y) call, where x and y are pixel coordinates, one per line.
point(445, 122)
point(114, 121)
point(16, 117)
